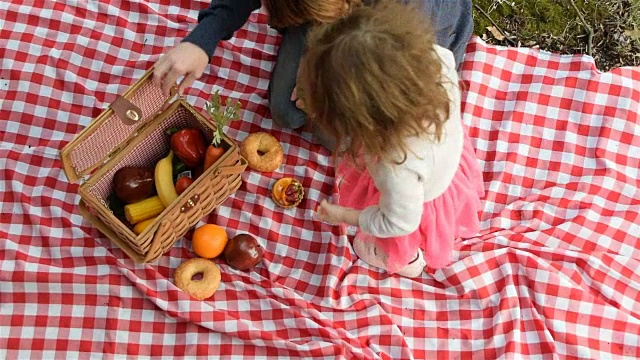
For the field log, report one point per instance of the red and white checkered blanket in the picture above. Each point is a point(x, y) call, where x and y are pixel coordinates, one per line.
point(554, 273)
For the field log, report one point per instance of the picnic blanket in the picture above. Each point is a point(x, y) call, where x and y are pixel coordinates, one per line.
point(552, 275)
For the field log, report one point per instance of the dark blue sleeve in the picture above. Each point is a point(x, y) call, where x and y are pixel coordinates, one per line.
point(219, 21)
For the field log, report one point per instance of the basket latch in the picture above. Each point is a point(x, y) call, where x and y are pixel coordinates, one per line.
point(126, 111)
point(190, 203)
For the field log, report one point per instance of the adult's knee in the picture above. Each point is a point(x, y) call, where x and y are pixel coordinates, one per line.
point(283, 79)
point(285, 113)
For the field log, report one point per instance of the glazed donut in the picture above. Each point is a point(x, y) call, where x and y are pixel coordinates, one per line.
point(198, 289)
point(262, 151)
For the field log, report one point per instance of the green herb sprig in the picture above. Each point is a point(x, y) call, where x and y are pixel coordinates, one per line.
point(222, 115)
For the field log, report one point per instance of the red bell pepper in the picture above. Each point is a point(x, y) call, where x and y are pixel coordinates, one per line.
point(189, 146)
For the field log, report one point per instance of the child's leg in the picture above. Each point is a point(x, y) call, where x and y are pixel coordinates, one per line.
point(365, 247)
point(369, 251)
point(415, 267)
point(283, 79)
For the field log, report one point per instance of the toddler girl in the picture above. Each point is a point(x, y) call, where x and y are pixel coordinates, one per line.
point(407, 175)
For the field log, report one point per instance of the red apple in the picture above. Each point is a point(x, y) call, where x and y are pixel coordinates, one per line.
point(243, 252)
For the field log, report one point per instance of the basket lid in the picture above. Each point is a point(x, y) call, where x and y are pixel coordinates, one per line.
point(113, 128)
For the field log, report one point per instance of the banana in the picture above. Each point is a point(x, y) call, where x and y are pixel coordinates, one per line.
point(164, 180)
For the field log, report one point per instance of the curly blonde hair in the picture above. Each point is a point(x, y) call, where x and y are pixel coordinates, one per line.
point(373, 78)
point(289, 13)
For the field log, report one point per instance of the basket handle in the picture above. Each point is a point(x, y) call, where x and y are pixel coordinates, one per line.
point(233, 169)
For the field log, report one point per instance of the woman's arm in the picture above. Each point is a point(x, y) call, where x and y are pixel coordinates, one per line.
point(190, 58)
point(219, 21)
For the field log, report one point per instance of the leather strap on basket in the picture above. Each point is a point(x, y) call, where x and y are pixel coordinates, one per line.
point(126, 111)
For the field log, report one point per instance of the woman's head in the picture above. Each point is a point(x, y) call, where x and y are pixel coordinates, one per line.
point(289, 13)
point(374, 78)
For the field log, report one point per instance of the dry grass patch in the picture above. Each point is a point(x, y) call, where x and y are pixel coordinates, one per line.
point(608, 30)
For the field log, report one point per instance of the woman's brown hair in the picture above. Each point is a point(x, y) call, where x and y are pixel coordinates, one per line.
point(373, 78)
point(289, 13)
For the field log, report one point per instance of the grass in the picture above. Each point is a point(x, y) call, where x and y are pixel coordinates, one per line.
point(608, 30)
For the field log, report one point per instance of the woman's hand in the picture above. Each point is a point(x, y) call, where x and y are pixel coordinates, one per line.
point(336, 214)
point(297, 99)
point(187, 60)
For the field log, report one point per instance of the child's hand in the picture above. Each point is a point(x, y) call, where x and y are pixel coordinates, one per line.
point(186, 60)
point(329, 213)
point(336, 214)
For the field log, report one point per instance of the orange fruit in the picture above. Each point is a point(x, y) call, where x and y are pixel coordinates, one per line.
point(209, 240)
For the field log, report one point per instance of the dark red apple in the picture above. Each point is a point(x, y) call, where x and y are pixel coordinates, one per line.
point(243, 252)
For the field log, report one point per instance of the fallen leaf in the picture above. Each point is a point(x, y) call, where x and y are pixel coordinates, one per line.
point(496, 33)
point(635, 33)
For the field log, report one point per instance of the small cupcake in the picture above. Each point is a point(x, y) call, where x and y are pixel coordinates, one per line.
point(287, 192)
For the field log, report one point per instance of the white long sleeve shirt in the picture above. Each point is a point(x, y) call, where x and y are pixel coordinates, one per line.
point(426, 173)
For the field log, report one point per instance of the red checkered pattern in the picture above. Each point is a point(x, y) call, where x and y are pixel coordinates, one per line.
point(553, 275)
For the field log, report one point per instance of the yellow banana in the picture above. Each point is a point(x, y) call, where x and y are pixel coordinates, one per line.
point(164, 180)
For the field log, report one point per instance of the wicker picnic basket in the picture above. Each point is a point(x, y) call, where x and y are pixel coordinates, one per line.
point(132, 132)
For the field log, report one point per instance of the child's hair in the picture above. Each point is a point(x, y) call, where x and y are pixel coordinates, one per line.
point(373, 78)
point(289, 13)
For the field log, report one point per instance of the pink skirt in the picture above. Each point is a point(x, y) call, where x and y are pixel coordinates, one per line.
point(452, 215)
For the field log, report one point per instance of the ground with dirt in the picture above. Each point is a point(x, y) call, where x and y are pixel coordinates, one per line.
point(608, 30)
